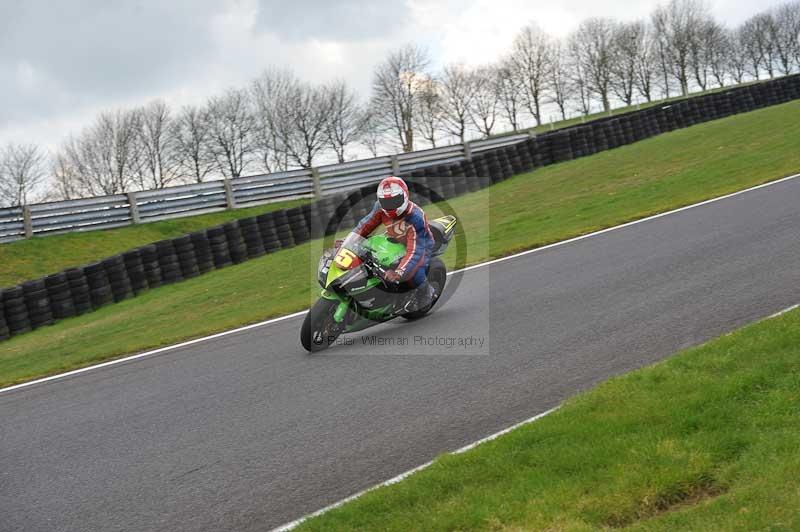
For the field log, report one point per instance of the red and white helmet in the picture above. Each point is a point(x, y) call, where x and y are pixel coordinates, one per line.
point(393, 196)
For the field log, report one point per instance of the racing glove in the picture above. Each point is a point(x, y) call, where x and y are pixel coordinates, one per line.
point(393, 276)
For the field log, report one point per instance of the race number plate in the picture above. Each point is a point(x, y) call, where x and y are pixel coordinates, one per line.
point(344, 259)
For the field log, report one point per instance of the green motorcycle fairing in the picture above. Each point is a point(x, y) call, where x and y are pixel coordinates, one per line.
point(385, 252)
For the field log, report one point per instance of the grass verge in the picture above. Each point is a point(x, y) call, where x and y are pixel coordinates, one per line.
point(529, 210)
point(706, 440)
point(39, 256)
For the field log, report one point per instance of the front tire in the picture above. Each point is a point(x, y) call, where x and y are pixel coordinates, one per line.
point(437, 277)
point(319, 329)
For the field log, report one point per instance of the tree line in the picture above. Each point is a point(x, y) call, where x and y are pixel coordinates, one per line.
point(279, 122)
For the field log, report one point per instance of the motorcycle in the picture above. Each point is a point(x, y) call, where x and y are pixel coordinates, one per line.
point(355, 293)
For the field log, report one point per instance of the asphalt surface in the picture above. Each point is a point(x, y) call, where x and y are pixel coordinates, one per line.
point(246, 432)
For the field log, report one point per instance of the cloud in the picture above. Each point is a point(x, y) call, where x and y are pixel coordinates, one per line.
point(323, 20)
point(59, 55)
point(63, 62)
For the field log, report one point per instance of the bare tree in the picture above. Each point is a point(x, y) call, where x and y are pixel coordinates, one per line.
point(663, 58)
point(192, 139)
point(345, 122)
point(373, 133)
point(678, 25)
point(737, 57)
point(754, 39)
point(65, 184)
point(268, 90)
point(429, 118)
point(22, 169)
point(595, 53)
point(485, 104)
point(790, 14)
point(160, 162)
point(646, 62)
point(627, 43)
point(458, 87)
point(786, 35)
point(397, 86)
point(766, 24)
point(105, 157)
point(302, 123)
point(718, 52)
point(532, 59)
point(561, 79)
point(704, 51)
point(580, 80)
point(232, 128)
point(509, 93)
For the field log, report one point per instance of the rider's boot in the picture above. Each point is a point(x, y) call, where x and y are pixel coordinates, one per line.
point(421, 298)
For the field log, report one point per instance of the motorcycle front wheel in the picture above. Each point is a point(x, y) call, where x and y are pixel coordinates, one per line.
point(319, 329)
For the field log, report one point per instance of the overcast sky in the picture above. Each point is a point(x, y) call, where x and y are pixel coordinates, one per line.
point(61, 62)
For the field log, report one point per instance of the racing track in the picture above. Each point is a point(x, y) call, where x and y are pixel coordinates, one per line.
point(246, 432)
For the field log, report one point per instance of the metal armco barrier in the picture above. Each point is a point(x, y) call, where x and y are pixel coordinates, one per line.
point(347, 194)
point(104, 212)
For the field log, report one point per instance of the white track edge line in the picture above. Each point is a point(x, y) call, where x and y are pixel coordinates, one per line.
point(152, 352)
point(782, 312)
point(475, 266)
point(394, 480)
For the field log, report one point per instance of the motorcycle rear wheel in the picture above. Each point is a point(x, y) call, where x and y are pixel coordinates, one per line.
point(437, 277)
point(319, 329)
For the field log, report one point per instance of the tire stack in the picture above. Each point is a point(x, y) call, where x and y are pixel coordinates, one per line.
point(252, 237)
point(562, 151)
point(269, 237)
point(99, 286)
point(297, 225)
point(135, 270)
point(470, 176)
point(283, 230)
point(37, 302)
point(460, 184)
point(505, 163)
point(79, 291)
point(152, 269)
point(187, 260)
point(5, 333)
point(514, 161)
point(219, 247)
point(202, 251)
point(494, 165)
point(121, 288)
point(60, 296)
point(416, 184)
point(15, 311)
point(236, 246)
point(168, 262)
point(315, 219)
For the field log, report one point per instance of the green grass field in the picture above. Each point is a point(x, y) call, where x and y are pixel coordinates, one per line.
point(706, 440)
point(529, 210)
point(30, 259)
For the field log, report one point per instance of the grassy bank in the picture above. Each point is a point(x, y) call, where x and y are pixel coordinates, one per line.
point(529, 210)
point(33, 258)
point(707, 440)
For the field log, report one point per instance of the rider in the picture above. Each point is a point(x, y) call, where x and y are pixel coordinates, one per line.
point(406, 222)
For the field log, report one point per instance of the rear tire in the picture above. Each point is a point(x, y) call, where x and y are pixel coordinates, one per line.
point(437, 277)
point(319, 329)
